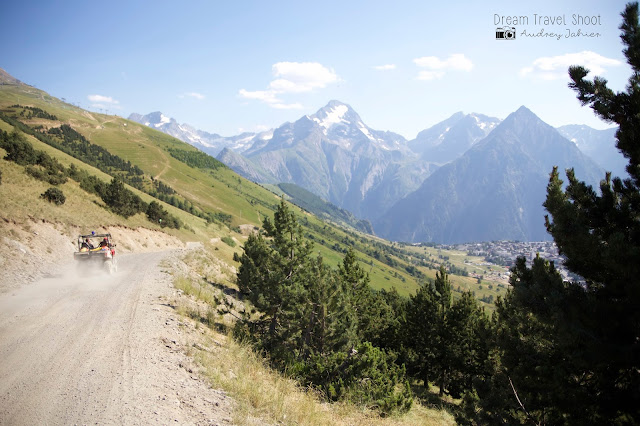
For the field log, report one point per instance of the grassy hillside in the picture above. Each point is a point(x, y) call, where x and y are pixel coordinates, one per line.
point(206, 190)
point(323, 209)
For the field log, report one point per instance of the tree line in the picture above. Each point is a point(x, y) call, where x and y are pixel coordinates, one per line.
point(30, 112)
point(78, 146)
point(196, 159)
point(115, 195)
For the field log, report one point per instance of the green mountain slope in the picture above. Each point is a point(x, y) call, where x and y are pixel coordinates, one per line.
point(323, 209)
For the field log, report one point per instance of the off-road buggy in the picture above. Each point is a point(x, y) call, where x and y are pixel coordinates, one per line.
point(97, 250)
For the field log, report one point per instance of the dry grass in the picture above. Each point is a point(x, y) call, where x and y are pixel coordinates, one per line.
point(200, 291)
point(264, 396)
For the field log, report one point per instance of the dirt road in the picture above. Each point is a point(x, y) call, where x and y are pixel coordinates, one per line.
point(99, 349)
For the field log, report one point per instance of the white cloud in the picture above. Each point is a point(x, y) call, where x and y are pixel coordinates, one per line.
point(103, 102)
point(292, 78)
point(436, 68)
point(196, 95)
point(386, 67)
point(102, 99)
point(556, 67)
point(267, 96)
point(296, 77)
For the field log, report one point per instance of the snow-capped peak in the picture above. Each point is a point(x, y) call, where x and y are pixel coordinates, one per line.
point(333, 116)
point(163, 120)
point(345, 126)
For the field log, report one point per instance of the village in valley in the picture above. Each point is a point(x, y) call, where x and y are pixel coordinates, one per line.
point(505, 253)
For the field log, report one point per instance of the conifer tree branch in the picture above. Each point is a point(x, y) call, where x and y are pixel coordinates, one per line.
point(520, 402)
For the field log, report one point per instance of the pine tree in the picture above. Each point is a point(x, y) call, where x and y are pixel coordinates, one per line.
point(329, 320)
point(273, 275)
point(422, 334)
point(122, 201)
point(442, 287)
point(360, 296)
point(535, 374)
point(19, 150)
point(428, 334)
point(447, 341)
point(572, 350)
point(600, 237)
point(304, 318)
point(382, 321)
point(468, 343)
point(302, 305)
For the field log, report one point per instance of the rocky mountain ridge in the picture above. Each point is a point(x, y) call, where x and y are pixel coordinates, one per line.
point(493, 191)
point(371, 173)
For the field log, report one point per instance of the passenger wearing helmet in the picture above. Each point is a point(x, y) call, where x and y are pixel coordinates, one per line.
point(104, 243)
point(86, 245)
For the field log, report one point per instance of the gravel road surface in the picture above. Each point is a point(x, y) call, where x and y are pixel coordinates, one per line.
point(92, 348)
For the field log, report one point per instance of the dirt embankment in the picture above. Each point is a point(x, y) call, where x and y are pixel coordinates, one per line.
point(35, 249)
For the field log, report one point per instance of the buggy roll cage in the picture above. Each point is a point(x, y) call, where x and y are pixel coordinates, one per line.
point(81, 238)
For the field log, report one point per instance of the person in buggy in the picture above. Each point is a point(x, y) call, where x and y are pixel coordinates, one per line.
point(104, 243)
point(86, 245)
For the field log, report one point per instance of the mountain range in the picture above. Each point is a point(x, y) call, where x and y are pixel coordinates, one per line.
point(468, 178)
point(450, 138)
point(335, 155)
point(600, 145)
point(211, 143)
point(493, 191)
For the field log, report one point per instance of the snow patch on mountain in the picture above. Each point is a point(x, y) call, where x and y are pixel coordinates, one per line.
point(210, 143)
point(483, 125)
point(363, 128)
point(443, 135)
point(266, 136)
point(334, 116)
point(163, 120)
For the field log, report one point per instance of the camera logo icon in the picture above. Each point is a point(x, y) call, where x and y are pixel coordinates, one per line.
point(505, 33)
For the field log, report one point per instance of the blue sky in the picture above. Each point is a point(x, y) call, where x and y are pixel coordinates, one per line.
point(228, 67)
